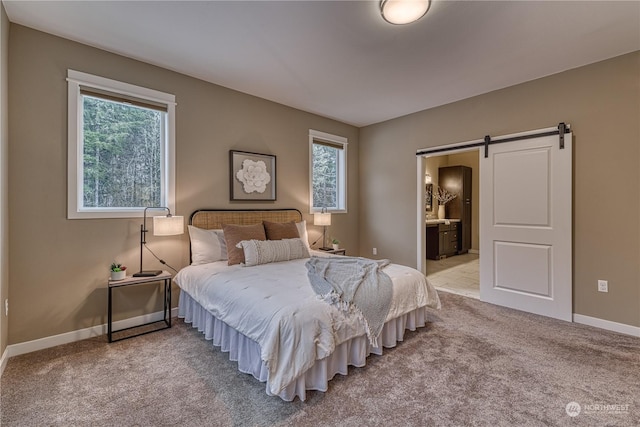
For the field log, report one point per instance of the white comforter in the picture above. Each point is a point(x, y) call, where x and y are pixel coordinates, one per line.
point(274, 305)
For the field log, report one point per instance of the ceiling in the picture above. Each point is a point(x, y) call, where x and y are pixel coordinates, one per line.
point(340, 59)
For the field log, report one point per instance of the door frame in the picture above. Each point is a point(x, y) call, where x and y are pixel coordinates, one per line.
point(421, 235)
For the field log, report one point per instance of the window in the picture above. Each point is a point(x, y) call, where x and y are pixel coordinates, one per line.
point(121, 148)
point(328, 176)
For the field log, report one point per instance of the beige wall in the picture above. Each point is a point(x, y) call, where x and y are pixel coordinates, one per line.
point(58, 267)
point(602, 103)
point(4, 175)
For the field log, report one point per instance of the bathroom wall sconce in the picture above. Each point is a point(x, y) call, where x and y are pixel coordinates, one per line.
point(401, 12)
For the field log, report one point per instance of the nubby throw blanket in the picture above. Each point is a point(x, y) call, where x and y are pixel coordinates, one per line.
point(354, 285)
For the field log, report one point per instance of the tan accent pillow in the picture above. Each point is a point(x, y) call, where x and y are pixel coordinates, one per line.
point(280, 230)
point(234, 234)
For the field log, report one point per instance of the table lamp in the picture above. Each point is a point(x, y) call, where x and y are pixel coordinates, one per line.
point(323, 219)
point(168, 225)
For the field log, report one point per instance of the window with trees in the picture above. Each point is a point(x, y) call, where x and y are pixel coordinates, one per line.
point(121, 148)
point(328, 166)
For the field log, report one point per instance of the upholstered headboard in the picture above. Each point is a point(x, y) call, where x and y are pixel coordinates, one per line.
point(214, 218)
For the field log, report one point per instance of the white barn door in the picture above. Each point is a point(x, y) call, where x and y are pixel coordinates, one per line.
point(526, 225)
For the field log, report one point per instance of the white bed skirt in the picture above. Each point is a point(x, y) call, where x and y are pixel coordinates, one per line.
point(246, 352)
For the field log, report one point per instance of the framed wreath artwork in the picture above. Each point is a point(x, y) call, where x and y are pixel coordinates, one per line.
point(252, 176)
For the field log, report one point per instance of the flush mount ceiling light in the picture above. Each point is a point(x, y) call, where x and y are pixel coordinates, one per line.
point(402, 12)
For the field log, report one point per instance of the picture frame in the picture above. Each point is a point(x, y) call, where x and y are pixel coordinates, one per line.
point(252, 176)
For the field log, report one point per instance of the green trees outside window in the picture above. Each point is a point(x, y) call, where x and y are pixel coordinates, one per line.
point(325, 176)
point(122, 154)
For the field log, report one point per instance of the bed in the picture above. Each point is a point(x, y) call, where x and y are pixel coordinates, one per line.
point(270, 321)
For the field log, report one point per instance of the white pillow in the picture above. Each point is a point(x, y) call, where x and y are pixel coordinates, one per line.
point(206, 245)
point(265, 251)
point(302, 231)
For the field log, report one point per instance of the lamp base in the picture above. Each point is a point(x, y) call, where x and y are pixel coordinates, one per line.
point(147, 273)
point(325, 249)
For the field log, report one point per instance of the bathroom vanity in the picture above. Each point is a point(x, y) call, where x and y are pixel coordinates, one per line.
point(442, 238)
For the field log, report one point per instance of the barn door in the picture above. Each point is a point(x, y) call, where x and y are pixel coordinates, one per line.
point(526, 225)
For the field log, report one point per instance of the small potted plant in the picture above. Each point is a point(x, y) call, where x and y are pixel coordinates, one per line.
point(336, 244)
point(118, 271)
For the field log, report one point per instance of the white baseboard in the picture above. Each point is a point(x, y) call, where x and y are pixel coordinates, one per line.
point(474, 251)
point(81, 334)
point(3, 361)
point(607, 324)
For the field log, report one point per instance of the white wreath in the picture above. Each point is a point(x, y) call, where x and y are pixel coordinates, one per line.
point(253, 176)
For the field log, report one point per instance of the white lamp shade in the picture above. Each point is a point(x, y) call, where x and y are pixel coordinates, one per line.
point(403, 11)
point(168, 225)
point(322, 218)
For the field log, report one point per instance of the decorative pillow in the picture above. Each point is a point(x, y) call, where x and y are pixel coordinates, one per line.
point(280, 230)
point(265, 251)
point(233, 234)
point(302, 231)
point(206, 245)
point(223, 244)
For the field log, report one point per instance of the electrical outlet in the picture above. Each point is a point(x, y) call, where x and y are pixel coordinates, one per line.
point(603, 286)
point(375, 251)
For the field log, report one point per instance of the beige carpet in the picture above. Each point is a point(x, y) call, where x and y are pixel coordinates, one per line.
point(475, 364)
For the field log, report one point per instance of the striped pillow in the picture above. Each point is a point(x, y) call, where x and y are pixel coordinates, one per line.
point(258, 252)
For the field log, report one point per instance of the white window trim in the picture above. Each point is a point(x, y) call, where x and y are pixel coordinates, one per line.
point(342, 168)
point(75, 80)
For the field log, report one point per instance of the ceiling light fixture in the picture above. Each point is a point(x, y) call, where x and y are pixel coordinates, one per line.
point(400, 12)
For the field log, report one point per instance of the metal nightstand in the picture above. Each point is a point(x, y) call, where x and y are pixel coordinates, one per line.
point(340, 251)
point(132, 281)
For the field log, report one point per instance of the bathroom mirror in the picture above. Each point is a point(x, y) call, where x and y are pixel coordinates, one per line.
point(428, 197)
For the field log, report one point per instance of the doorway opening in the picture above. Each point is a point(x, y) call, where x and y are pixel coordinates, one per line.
point(452, 238)
point(525, 218)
